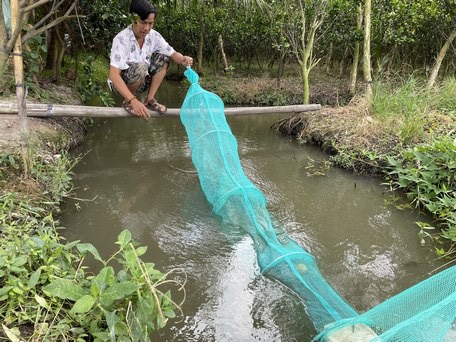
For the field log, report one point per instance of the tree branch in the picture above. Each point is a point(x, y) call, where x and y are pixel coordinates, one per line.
point(57, 21)
point(53, 10)
point(35, 5)
point(48, 26)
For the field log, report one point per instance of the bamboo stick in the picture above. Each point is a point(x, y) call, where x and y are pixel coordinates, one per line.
point(54, 110)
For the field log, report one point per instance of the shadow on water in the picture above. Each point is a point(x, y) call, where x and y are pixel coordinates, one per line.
point(143, 179)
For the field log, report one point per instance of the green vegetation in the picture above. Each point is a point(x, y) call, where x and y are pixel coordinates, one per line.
point(427, 174)
point(46, 291)
point(412, 110)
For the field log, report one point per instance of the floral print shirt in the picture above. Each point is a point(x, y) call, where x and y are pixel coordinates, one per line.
point(125, 48)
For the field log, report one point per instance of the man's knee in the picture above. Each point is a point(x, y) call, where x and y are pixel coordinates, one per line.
point(136, 73)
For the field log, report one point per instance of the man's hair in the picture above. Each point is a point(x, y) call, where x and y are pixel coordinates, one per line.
point(142, 8)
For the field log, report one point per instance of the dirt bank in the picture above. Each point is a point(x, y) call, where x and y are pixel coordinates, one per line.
point(355, 139)
point(54, 133)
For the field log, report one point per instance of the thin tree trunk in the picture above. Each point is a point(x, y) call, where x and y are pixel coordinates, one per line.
point(222, 52)
point(354, 68)
point(342, 62)
point(281, 67)
point(305, 84)
point(329, 58)
point(367, 69)
point(20, 86)
point(60, 52)
point(260, 66)
point(201, 42)
point(438, 62)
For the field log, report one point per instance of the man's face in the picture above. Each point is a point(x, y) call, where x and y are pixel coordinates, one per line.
point(145, 26)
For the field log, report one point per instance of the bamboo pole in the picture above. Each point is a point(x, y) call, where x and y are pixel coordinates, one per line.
point(51, 110)
point(19, 77)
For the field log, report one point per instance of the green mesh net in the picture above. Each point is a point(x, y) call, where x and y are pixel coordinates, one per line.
point(423, 313)
point(239, 203)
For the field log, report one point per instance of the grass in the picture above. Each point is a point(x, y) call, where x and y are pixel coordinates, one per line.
point(46, 291)
point(410, 109)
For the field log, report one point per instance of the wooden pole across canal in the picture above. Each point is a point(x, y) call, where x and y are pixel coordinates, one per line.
point(55, 110)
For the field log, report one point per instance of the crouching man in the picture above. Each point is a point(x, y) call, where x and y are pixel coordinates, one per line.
point(139, 59)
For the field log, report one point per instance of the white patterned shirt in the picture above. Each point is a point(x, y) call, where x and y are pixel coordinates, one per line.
point(125, 48)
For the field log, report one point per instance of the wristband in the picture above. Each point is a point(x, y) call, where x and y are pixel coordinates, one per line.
point(129, 101)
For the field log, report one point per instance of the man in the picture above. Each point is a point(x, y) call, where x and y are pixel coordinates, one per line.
point(139, 59)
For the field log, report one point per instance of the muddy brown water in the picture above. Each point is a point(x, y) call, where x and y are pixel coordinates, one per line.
point(142, 178)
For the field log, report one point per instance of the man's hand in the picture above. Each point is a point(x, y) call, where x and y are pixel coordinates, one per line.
point(139, 109)
point(187, 61)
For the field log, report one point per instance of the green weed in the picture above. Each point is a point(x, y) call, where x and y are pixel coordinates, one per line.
point(427, 173)
point(47, 292)
point(406, 106)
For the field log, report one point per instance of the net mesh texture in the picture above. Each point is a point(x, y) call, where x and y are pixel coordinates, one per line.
point(236, 200)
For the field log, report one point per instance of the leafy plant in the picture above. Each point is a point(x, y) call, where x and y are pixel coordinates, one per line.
point(427, 173)
point(92, 84)
point(47, 292)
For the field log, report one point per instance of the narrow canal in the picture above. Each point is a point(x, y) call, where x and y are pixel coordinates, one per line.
point(141, 177)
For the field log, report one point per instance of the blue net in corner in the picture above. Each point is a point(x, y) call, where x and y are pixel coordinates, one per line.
point(423, 313)
point(238, 202)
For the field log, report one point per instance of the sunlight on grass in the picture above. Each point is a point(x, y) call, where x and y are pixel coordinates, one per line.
point(406, 106)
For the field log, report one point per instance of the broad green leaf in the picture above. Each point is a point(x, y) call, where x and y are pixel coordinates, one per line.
point(41, 301)
point(5, 289)
point(34, 279)
point(131, 258)
point(102, 280)
point(134, 324)
point(144, 311)
point(83, 248)
point(169, 313)
point(124, 238)
point(83, 305)
point(64, 289)
point(20, 261)
point(13, 334)
point(141, 250)
point(117, 291)
point(111, 320)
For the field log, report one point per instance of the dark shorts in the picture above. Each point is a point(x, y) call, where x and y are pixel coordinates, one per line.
point(142, 72)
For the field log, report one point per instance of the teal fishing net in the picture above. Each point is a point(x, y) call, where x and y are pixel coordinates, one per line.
point(423, 313)
point(6, 10)
point(236, 200)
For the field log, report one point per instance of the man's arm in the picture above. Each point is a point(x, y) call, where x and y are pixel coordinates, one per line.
point(138, 107)
point(181, 59)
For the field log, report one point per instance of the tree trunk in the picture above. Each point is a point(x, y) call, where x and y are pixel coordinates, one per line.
point(20, 84)
point(342, 62)
point(201, 42)
point(438, 62)
point(222, 52)
point(354, 68)
point(367, 69)
point(60, 52)
point(305, 84)
point(260, 66)
point(281, 67)
point(329, 58)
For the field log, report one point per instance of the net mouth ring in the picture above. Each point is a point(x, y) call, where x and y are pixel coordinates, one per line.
point(217, 206)
point(279, 259)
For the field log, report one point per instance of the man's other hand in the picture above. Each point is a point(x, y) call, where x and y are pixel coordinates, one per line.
point(139, 109)
point(187, 61)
